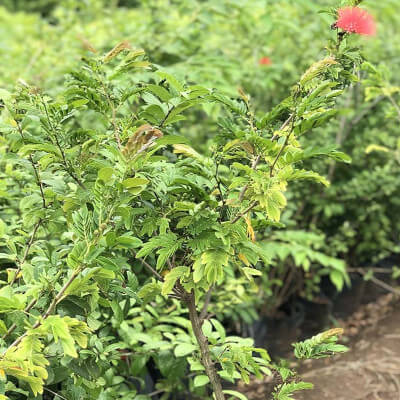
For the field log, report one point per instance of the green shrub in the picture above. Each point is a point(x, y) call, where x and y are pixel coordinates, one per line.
point(121, 237)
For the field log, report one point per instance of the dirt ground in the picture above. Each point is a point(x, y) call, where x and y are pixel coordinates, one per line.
point(369, 371)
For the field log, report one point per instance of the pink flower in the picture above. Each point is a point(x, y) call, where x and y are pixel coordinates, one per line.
point(265, 61)
point(356, 20)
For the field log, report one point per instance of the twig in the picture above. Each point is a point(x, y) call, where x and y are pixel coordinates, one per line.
point(151, 269)
point(377, 270)
point(65, 162)
point(111, 104)
point(28, 247)
point(253, 166)
point(54, 393)
point(50, 309)
point(250, 207)
point(13, 326)
point(177, 292)
point(285, 124)
point(380, 283)
point(271, 171)
point(207, 300)
point(36, 171)
point(166, 116)
point(155, 393)
point(219, 183)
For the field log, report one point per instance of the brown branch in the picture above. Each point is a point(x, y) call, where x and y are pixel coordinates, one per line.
point(204, 349)
point(111, 105)
point(258, 158)
point(250, 207)
point(285, 124)
point(219, 183)
point(380, 283)
point(166, 116)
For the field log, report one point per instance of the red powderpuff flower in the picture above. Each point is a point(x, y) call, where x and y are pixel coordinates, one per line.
point(265, 61)
point(356, 20)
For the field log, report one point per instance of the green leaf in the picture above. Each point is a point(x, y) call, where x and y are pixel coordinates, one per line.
point(10, 301)
point(249, 272)
point(235, 394)
point(201, 380)
point(46, 147)
point(128, 242)
point(171, 278)
point(184, 349)
point(135, 182)
point(171, 80)
point(336, 278)
point(160, 92)
point(287, 389)
point(106, 174)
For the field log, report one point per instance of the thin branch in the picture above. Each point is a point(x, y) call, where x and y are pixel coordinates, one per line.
point(256, 162)
point(219, 184)
point(207, 300)
point(111, 104)
point(177, 292)
point(50, 309)
point(54, 393)
point(380, 283)
point(35, 169)
point(151, 269)
point(292, 119)
point(384, 285)
point(28, 247)
point(271, 171)
point(67, 167)
point(376, 270)
point(285, 124)
point(155, 393)
point(13, 326)
point(250, 207)
point(166, 116)
point(253, 166)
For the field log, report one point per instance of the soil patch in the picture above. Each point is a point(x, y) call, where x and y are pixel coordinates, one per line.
point(369, 371)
